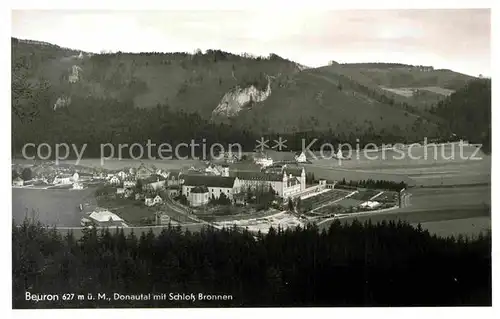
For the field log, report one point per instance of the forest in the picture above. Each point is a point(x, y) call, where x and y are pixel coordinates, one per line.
point(384, 264)
point(370, 183)
point(468, 112)
point(94, 117)
point(96, 122)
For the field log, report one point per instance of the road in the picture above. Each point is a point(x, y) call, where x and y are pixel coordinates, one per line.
point(185, 211)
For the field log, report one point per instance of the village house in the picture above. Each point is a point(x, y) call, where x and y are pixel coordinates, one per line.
point(153, 183)
point(122, 175)
point(128, 193)
point(83, 176)
point(77, 186)
point(139, 196)
point(157, 200)
point(162, 218)
point(213, 170)
point(262, 160)
point(216, 185)
point(120, 191)
point(63, 179)
point(162, 173)
point(153, 201)
point(173, 191)
point(229, 157)
point(132, 171)
point(199, 196)
point(143, 172)
point(18, 181)
point(129, 182)
point(115, 180)
point(174, 178)
point(148, 201)
point(282, 157)
point(301, 157)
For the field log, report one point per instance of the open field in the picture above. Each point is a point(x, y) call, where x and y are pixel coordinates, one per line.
point(349, 202)
point(469, 227)
point(436, 205)
point(408, 92)
point(427, 166)
point(131, 211)
point(324, 198)
point(449, 197)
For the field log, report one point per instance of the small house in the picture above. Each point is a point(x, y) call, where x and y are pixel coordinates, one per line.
point(128, 193)
point(18, 181)
point(139, 196)
point(149, 201)
point(115, 180)
point(122, 175)
point(173, 191)
point(129, 182)
point(157, 200)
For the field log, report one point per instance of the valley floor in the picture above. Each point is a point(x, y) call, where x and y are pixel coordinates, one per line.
point(447, 196)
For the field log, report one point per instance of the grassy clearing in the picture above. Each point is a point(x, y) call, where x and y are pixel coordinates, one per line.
point(349, 202)
point(364, 195)
point(130, 210)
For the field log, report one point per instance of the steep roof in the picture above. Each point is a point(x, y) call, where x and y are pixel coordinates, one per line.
point(104, 216)
point(295, 171)
point(200, 189)
point(143, 167)
point(209, 181)
point(259, 176)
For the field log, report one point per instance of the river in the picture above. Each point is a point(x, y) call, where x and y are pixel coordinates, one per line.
point(51, 206)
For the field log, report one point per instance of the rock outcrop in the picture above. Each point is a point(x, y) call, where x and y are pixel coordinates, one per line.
point(62, 101)
point(75, 74)
point(239, 98)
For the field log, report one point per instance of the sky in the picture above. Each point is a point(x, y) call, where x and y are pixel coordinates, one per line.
point(456, 39)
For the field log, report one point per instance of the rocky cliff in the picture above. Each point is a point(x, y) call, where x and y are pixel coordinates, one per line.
point(239, 98)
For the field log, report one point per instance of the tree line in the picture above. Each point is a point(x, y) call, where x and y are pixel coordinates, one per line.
point(376, 184)
point(384, 264)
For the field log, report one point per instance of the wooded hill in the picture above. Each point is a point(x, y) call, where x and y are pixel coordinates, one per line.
point(337, 97)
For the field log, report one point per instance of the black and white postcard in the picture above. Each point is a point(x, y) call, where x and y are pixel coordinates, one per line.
point(251, 158)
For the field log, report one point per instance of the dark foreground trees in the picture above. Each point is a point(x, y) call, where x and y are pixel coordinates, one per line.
point(348, 265)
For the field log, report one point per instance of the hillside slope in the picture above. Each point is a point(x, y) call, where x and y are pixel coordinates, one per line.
point(285, 97)
point(418, 85)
